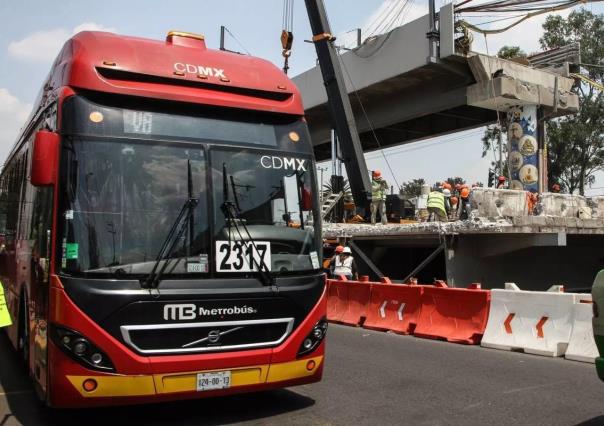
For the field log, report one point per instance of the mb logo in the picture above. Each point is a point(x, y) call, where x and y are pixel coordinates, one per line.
point(183, 311)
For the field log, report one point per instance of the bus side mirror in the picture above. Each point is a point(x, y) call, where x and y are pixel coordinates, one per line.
point(45, 158)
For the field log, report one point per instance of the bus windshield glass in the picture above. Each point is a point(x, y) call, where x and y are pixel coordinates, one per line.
point(263, 206)
point(122, 200)
point(122, 193)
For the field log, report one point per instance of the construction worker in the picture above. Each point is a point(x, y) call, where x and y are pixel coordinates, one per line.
point(378, 196)
point(447, 194)
point(465, 202)
point(501, 182)
point(436, 206)
point(344, 265)
point(454, 205)
point(331, 261)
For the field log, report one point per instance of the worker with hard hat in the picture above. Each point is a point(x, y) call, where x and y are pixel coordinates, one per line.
point(501, 182)
point(437, 206)
point(344, 265)
point(464, 195)
point(330, 263)
point(447, 194)
point(379, 186)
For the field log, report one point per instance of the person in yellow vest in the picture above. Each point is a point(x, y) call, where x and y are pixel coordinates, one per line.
point(378, 197)
point(437, 206)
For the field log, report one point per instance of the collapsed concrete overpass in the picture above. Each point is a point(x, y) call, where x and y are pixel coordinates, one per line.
point(409, 94)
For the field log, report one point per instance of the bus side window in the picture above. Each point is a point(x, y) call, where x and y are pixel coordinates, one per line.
point(40, 229)
point(3, 212)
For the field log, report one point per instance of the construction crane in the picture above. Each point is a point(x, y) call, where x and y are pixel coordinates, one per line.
point(339, 106)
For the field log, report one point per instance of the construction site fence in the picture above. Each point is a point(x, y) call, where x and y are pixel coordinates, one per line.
point(549, 323)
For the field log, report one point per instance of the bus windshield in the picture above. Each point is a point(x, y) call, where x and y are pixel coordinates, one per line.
point(122, 200)
point(265, 199)
point(121, 196)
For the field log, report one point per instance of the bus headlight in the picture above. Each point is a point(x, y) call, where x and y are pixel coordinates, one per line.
point(80, 349)
point(313, 339)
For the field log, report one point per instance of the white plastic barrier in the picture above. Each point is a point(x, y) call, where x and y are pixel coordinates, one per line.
point(535, 322)
point(582, 346)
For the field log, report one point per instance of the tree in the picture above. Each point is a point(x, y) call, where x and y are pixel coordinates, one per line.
point(511, 52)
point(413, 188)
point(453, 181)
point(576, 143)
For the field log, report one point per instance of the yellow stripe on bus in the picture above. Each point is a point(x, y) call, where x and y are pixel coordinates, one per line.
point(120, 386)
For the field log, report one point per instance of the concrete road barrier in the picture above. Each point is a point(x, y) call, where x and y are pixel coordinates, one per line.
point(531, 321)
point(582, 345)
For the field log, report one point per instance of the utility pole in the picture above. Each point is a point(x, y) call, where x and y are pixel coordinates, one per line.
point(433, 33)
point(222, 38)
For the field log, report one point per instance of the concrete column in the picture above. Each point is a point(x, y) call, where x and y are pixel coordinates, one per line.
point(524, 150)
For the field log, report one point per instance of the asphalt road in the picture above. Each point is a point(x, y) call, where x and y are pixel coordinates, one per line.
point(370, 378)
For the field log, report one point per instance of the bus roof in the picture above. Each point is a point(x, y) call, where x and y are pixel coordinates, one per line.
point(181, 68)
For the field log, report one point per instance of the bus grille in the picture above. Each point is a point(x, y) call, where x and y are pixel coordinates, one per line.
point(177, 338)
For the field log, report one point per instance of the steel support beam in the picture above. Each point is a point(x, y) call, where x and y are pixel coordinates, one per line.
point(366, 259)
point(425, 263)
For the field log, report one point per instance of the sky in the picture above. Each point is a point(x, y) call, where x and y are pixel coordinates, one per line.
point(31, 34)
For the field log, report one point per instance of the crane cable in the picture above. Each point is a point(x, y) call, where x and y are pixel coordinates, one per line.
point(287, 35)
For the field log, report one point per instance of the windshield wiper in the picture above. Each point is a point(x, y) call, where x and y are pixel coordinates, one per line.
point(228, 208)
point(184, 218)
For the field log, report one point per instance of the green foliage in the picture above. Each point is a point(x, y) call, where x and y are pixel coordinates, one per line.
point(511, 52)
point(413, 188)
point(576, 143)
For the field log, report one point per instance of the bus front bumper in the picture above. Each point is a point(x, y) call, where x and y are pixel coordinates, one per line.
point(113, 389)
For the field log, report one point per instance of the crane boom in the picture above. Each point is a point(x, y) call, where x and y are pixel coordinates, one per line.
point(339, 104)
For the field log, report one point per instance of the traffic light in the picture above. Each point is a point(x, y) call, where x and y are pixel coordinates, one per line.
point(491, 181)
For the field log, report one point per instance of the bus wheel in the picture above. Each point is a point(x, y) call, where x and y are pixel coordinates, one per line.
point(23, 331)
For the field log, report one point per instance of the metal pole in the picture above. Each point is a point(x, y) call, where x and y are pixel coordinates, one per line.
point(500, 152)
point(359, 42)
point(222, 38)
point(433, 33)
point(334, 153)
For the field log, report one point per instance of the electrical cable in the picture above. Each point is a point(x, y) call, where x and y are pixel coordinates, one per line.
point(368, 120)
point(237, 40)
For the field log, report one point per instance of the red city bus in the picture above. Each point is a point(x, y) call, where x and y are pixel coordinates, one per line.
point(162, 227)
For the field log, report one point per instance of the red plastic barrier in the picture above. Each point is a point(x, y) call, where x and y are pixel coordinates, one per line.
point(347, 301)
point(454, 314)
point(337, 300)
point(394, 307)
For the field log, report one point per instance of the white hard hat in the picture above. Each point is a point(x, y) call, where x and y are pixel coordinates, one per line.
point(446, 192)
point(347, 250)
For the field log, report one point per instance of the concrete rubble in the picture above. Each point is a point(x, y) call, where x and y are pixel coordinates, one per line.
point(497, 212)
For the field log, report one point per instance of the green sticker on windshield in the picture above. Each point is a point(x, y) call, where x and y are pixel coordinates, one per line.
point(71, 251)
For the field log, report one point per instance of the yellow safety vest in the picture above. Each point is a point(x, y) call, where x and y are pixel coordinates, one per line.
point(437, 200)
point(378, 189)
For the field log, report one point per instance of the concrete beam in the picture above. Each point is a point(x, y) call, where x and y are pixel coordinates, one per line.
point(503, 93)
point(377, 59)
point(509, 243)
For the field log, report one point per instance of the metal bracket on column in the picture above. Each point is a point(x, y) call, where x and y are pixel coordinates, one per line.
point(426, 261)
point(366, 259)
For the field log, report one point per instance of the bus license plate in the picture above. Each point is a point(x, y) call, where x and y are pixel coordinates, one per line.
point(215, 380)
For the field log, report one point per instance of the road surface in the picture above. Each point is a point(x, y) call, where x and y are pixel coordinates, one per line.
point(371, 378)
